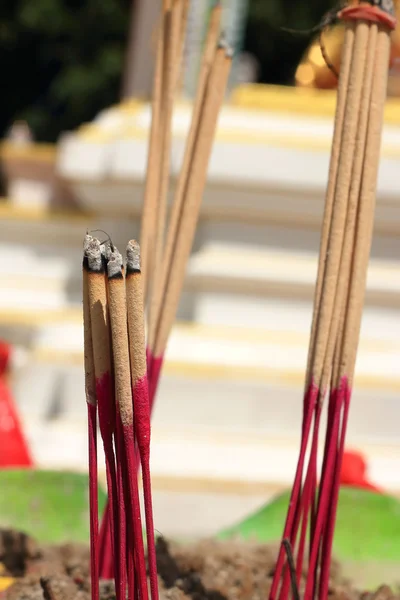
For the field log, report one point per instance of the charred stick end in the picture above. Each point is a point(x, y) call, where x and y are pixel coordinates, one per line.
point(132, 258)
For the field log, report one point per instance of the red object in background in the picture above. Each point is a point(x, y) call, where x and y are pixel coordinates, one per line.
point(5, 355)
point(354, 472)
point(14, 450)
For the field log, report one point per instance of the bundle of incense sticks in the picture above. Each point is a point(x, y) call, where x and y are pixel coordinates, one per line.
point(344, 254)
point(117, 391)
point(166, 248)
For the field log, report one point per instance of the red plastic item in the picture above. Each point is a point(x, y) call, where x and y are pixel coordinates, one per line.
point(354, 472)
point(14, 450)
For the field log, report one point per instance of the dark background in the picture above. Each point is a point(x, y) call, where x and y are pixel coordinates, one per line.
point(61, 61)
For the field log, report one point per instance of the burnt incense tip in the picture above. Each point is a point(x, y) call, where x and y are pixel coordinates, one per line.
point(115, 265)
point(106, 251)
point(92, 253)
point(223, 44)
point(133, 257)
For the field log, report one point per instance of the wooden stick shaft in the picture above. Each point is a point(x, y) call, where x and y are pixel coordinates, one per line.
point(148, 225)
point(195, 187)
point(177, 207)
point(171, 33)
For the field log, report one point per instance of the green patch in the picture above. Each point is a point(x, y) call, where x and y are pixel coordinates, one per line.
point(51, 506)
point(367, 535)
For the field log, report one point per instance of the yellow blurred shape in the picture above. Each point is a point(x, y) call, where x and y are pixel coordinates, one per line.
point(5, 582)
point(305, 75)
point(315, 56)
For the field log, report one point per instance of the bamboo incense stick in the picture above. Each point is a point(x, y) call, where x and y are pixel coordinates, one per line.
point(91, 401)
point(122, 570)
point(120, 344)
point(98, 304)
point(171, 67)
point(216, 88)
point(140, 392)
point(177, 207)
point(148, 225)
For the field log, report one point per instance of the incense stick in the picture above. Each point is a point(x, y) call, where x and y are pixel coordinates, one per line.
point(148, 225)
point(215, 93)
point(91, 401)
point(190, 147)
point(171, 67)
point(141, 405)
point(98, 304)
point(118, 310)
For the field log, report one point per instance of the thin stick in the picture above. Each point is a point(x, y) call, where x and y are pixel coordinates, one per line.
point(106, 566)
point(91, 401)
point(177, 207)
point(99, 318)
point(141, 405)
point(194, 192)
point(292, 569)
point(171, 36)
point(148, 225)
point(120, 345)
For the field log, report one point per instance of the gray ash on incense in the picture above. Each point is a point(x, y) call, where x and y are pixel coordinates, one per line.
point(132, 257)
point(115, 266)
point(223, 43)
point(92, 254)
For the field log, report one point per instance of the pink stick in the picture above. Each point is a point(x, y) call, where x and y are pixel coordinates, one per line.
point(134, 513)
point(309, 402)
point(93, 500)
point(120, 562)
point(141, 415)
point(106, 567)
point(303, 508)
point(344, 400)
point(324, 495)
point(106, 407)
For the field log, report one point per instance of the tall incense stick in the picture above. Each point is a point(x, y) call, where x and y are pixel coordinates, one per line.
point(118, 318)
point(174, 271)
point(91, 401)
point(141, 404)
point(99, 317)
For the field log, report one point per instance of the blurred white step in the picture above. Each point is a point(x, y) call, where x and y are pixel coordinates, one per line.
point(260, 271)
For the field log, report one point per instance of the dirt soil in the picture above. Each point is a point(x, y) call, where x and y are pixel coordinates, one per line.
point(207, 570)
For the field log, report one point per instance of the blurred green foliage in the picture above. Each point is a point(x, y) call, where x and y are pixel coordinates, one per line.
point(61, 61)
